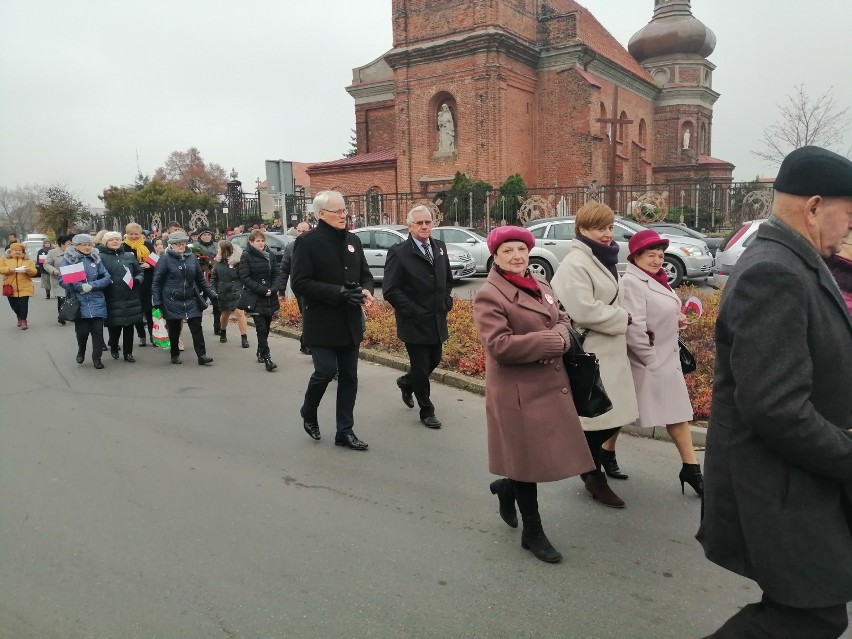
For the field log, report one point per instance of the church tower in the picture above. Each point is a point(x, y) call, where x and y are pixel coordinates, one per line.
point(673, 48)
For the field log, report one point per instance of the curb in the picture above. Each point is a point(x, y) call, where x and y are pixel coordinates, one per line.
point(477, 386)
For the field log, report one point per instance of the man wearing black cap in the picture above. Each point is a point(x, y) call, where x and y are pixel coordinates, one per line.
point(778, 466)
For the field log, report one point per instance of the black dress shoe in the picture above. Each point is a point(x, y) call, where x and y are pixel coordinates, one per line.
point(311, 426)
point(129, 358)
point(176, 359)
point(203, 360)
point(431, 421)
point(98, 364)
point(407, 396)
point(350, 441)
point(114, 353)
point(81, 355)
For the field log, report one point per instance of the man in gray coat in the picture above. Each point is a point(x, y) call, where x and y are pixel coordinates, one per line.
point(778, 466)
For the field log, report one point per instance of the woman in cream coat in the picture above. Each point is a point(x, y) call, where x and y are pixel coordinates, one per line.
point(654, 352)
point(587, 284)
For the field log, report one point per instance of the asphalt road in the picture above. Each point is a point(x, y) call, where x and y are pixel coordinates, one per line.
point(156, 501)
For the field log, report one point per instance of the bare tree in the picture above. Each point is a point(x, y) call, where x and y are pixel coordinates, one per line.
point(805, 121)
point(19, 208)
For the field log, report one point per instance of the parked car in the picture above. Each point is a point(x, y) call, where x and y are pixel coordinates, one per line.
point(732, 247)
point(274, 241)
point(471, 240)
point(376, 240)
point(686, 258)
point(681, 230)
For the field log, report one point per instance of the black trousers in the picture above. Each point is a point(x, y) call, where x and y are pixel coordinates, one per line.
point(423, 359)
point(59, 301)
point(126, 333)
point(594, 438)
point(328, 361)
point(20, 306)
point(300, 304)
point(769, 619)
point(261, 325)
point(93, 326)
point(217, 316)
point(174, 328)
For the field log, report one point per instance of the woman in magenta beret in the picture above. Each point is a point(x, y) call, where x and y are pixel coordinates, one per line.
point(534, 434)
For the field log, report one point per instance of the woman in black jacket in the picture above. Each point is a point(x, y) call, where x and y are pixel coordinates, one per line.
point(176, 288)
point(225, 280)
point(259, 274)
point(124, 309)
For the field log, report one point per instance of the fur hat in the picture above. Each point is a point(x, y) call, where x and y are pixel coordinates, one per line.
point(82, 238)
point(16, 246)
point(645, 239)
point(509, 234)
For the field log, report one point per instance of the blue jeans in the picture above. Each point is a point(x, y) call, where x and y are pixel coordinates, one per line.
point(328, 361)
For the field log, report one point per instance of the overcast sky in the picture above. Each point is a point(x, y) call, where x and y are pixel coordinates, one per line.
point(88, 84)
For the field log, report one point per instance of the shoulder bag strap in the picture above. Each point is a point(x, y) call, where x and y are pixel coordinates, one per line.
point(586, 332)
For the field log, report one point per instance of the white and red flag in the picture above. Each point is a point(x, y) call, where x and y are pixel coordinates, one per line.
point(152, 259)
point(128, 278)
point(73, 273)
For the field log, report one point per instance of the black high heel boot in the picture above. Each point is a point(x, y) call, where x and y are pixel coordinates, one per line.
point(691, 474)
point(610, 464)
point(503, 489)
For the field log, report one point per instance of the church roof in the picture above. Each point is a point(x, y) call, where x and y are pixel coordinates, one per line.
point(706, 159)
point(377, 157)
point(595, 36)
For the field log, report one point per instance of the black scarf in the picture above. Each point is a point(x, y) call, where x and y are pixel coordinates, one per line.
point(606, 255)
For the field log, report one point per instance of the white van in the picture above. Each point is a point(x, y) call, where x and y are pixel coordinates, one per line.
point(33, 237)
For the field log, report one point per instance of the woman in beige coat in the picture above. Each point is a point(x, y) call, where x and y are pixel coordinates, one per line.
point(654, 352)
point(534, 433)
point(587, 284)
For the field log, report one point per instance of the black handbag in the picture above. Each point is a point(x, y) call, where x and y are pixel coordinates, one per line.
point(687, 359)
point(70, 309)
point(584, 373)
point(202, 303)
point(248, 300)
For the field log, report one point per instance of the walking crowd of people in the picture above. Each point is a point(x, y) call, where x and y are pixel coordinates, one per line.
point(776, 502)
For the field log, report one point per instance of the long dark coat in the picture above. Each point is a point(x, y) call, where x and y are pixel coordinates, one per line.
point(258, 273)
point(778, 466)
point(534, 433)
point(144, 290)
point(171, 287)
point(323, 261)
point(225, 280)
point(419, 292)
point(123, 305)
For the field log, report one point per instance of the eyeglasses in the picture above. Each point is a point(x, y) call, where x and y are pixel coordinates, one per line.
point(340, 212)
point(423, 223)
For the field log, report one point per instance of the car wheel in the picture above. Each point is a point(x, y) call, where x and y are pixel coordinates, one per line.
point(539, 266)
point(675, 270)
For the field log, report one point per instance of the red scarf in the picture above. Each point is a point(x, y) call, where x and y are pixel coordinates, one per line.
point(524, 282)
point(661, 276)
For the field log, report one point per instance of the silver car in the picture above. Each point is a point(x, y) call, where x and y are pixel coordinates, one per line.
point(376, 240)
point(470, 240)
point(686, 258)
point(732, 247)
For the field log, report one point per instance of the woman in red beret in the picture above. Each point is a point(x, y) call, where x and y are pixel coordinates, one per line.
point(534, 433)
point(654, 352)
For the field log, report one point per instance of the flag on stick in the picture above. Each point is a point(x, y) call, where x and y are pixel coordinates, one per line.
point(152, 259)
point(72, 273)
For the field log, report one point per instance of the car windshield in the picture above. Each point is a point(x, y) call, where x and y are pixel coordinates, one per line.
point(478, 232)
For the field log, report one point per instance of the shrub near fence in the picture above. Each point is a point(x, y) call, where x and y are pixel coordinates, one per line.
point(464, 353)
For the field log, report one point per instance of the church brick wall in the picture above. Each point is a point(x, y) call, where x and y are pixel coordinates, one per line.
point(375, 126)
point(355, 180)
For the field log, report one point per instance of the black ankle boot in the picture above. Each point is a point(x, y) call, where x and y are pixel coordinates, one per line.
point(270, 365)
point(610, 464)
point(691, 474)
point(81, 355)
point(244, 340)
point(503, 489)
point(534, 540)
point(223, 337)
point(259, 358)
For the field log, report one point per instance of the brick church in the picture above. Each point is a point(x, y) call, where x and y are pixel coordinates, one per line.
point(536, 87)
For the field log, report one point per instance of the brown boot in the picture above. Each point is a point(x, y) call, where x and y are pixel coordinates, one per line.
point(599, 489)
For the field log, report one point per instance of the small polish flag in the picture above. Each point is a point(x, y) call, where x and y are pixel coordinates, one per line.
point(72, 273)
point(152, 259)
point(128, 278)
point(42, 258)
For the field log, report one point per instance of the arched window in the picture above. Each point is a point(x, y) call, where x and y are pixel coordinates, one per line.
point(604, 127)
point(643, 133)
point(703, 146)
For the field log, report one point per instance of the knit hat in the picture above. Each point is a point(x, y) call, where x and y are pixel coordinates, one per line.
point(178, 236)
point(111, 235)
point(82, 238)
point(644, 239)
point(509, 234)
point(204, 229)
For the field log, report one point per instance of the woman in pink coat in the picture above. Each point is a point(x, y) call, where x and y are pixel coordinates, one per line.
point(534, 434)
point(653, 350)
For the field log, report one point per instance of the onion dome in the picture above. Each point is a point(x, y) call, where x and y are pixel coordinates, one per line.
point(672, 30)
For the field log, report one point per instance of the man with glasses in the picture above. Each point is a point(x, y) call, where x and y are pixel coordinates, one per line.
point(329, 271)
point(417, 283)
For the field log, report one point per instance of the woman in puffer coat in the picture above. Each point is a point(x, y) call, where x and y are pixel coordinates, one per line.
point(259, 274)
point(51, 267)
point(226, 281)
point(176, 275)
point(89, 293)
point(124, 310)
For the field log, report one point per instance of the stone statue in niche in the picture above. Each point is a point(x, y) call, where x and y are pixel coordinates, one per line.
point(446, 130)
point(686, 137)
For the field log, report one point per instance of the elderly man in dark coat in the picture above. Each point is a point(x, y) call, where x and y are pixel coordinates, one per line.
point(330, 272)
point(417, 283)
point(779, 452)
